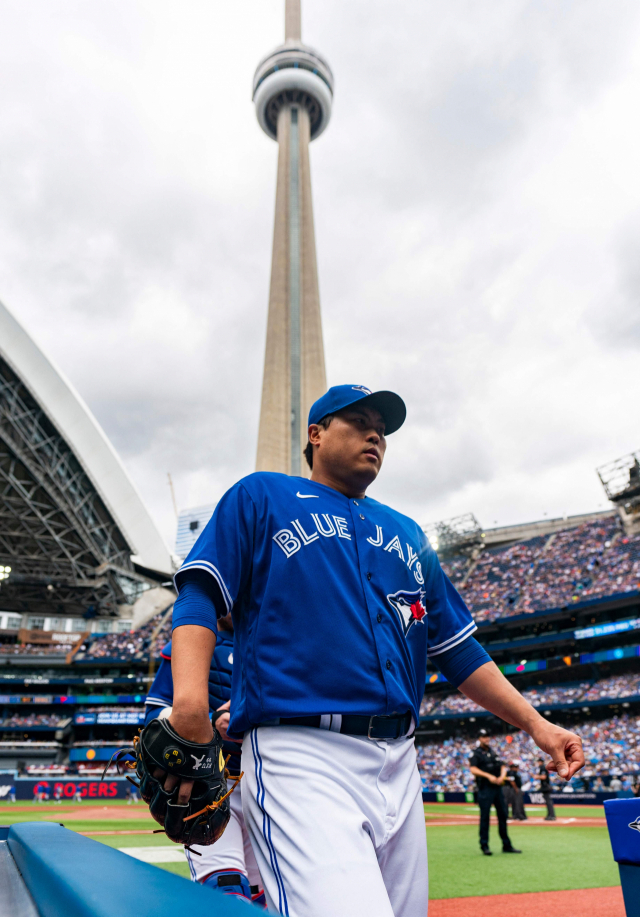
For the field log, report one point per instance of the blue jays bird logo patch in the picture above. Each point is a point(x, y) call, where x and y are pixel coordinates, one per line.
point(635, 824)
point(409, 606)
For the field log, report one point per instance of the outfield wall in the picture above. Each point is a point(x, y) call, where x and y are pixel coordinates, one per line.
point(116, 788)
point(89, 788)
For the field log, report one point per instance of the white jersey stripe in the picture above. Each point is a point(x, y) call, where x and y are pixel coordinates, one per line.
point(453, 641)
point(214, 572)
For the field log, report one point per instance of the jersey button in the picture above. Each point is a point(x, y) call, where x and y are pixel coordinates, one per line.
point(368, 576)
point(356, 503)
point(361, 516)
point(388, 663)
point(379, 618)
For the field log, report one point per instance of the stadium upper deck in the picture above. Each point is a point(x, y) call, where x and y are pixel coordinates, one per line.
point(592, 561)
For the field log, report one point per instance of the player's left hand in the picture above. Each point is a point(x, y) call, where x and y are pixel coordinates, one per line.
point(222, 723)
point(565, 748)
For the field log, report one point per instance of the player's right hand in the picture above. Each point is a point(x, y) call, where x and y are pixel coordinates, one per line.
point(195, 728)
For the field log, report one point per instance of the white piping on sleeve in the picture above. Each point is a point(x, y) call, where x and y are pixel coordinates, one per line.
point(156, 702)
point(453, 641)
point(214, 572)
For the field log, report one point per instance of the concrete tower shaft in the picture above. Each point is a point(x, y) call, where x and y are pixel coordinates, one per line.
point(292, 91)
point(292, 20)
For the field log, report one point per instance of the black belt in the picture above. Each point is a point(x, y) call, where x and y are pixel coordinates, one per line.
point(374, 727)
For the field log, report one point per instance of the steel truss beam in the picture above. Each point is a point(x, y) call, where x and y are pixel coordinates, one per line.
point(54, 528)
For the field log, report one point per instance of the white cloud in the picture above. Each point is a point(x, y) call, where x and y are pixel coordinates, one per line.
point(477, 208)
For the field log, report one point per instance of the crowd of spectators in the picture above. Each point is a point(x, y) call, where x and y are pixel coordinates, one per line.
point(429, 703)
point(133, 644)
point(612, 750)
point(34, 719)
point(616, 686)
point(35, 649)
point(46, 770)
point(120, 708)
point(127, 645)
point(588, 561)
point(547, 695)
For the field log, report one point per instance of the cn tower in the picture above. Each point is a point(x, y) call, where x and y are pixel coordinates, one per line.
point(292, 92)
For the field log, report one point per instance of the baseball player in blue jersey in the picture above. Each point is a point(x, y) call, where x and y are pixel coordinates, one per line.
point(228, 865)
point(337, 600)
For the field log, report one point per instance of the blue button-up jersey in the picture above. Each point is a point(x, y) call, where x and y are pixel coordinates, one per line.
point(336, 602)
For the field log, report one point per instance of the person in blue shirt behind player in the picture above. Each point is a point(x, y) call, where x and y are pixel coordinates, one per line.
point(228, 865)
point(337, 600)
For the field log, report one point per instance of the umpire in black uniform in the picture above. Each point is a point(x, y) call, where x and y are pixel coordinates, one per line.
point(545, 789)
point(490, 775)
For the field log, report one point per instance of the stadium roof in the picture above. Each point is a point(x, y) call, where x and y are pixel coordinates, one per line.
point(68, 507)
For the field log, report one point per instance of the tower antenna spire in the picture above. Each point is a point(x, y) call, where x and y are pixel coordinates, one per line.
point(292, 92)
point(292, 25)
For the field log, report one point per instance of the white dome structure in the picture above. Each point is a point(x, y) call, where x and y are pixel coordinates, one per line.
point(71, 519)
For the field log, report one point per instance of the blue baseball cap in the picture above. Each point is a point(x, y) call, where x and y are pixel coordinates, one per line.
point(390, 405)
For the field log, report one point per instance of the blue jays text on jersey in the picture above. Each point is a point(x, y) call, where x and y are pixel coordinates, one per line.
point(161, 691)
point(336, 601)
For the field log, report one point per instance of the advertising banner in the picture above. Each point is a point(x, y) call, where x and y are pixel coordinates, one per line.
point(78, 788)
point(111, 718)
point(101, 753)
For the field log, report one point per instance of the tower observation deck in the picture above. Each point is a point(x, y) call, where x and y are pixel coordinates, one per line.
point(293, 93)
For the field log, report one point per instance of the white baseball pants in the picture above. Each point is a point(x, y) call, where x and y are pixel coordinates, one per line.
point(336, 823)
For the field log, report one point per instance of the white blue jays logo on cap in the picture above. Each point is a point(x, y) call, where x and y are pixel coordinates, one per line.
point(409, 607)
point(635, 824)
point(361, 388)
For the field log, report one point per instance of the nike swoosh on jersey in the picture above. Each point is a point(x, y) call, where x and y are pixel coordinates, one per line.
point(307, 496)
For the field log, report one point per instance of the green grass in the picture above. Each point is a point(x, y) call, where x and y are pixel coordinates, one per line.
point(552, 859)
point(144, 840)
point(112, 824)
point(66, 803)
point(180, 869)
point(67, 814)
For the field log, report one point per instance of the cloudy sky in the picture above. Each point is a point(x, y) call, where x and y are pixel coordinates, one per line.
point(477, 205)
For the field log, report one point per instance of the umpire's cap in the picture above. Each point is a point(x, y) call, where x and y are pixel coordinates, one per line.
point(482, 732)
point(390, 405)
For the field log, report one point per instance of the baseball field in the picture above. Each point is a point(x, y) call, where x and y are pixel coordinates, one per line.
point(566, 867)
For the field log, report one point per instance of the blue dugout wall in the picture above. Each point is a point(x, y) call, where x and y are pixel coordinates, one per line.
point(49, 871)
